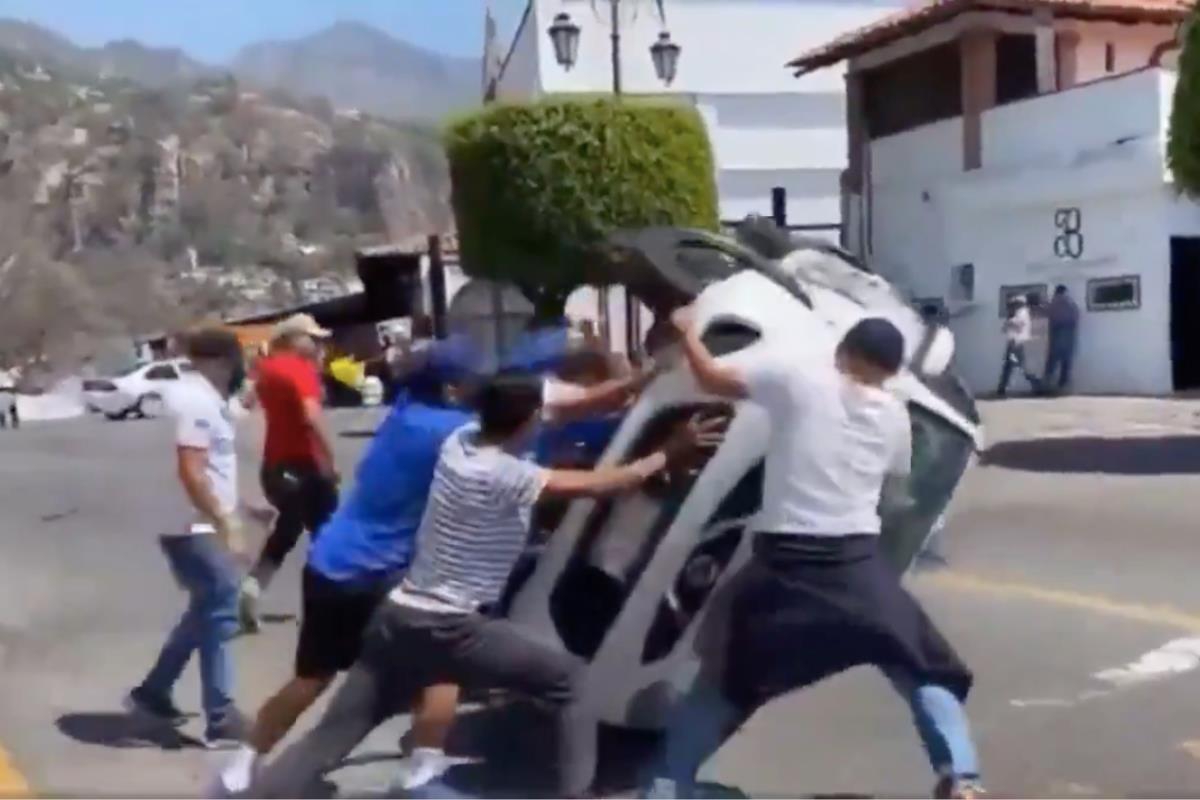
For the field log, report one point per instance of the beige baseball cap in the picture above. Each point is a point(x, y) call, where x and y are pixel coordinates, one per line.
point(299, 325)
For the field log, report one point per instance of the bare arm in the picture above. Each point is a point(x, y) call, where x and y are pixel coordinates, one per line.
point(315, 417)
point(714, 377)
point(697, 435)
point(603, 398)
point(190, 462)
point(605, 481)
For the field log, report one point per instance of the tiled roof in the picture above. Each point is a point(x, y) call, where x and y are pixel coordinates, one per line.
point(919, 17)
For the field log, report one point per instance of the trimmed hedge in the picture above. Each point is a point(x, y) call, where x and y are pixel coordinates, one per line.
point(1183, 142)
point(536, 186)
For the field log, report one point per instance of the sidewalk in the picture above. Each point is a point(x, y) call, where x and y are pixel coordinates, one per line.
point(1107, 417)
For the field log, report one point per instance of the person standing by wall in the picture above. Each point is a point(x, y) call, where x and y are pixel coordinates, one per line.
point(204, 556)
point(1038, 347)
point(1063, 318)
point(299, 476)
point(1018, 330)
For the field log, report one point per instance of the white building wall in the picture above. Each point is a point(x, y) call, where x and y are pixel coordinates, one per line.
point(1132, 47)
point(767, 127)
point(520, 79)
point(1063, 151)
point(1073, 123)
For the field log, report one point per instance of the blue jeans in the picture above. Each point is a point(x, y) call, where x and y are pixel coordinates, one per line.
point(208, 575)
point(703, 720)
point(1060, 357)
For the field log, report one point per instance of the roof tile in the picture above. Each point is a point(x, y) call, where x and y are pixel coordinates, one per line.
point(924, 15)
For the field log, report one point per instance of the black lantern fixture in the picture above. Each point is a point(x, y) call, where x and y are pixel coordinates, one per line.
point(666, 58)
point(565, 35)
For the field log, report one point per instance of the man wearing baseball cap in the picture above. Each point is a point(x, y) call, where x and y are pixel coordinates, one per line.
point(298, 474)
point(818, 597)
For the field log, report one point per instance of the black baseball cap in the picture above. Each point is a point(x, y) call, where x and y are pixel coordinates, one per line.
point(877, 341)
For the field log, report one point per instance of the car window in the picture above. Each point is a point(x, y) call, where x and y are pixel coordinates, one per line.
point(163, 372)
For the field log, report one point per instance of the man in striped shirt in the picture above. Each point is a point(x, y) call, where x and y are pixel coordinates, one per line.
point(435, 627)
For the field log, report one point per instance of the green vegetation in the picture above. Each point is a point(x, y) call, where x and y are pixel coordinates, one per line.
point(1183, 144)
point(537, 187)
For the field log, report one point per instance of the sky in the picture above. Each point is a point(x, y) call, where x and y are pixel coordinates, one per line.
point(214, 30)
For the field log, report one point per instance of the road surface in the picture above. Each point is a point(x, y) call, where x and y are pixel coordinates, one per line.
point(1072, 592)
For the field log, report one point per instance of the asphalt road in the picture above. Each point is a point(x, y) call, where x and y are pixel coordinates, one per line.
point(1071, 558)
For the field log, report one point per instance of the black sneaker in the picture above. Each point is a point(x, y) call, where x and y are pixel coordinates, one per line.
point(227, 732)
point(141, 701)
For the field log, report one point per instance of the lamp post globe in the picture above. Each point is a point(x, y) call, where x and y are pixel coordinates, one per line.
point(666, 58)
point(564, 34)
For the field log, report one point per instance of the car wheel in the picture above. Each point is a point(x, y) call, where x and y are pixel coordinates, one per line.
point(149, 406)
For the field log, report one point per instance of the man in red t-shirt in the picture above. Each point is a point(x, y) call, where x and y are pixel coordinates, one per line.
point(298, 474)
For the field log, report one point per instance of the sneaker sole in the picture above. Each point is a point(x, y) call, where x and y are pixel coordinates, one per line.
point(222, 744)
point(248, 614)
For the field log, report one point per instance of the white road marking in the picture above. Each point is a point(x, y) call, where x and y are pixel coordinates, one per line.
point(1173, 658)
point(1176, 657)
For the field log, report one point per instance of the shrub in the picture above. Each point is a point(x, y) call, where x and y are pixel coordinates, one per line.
point(536, 187)
point(1183, 143)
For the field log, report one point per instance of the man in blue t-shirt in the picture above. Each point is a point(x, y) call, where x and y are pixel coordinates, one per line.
point(367, 545)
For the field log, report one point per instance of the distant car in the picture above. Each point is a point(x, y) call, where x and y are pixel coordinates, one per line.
point(138, 391)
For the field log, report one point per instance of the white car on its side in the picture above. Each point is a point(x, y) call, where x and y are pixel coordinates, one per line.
point(138, 391)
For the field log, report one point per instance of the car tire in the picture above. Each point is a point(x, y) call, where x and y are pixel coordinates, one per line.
point(149, 406)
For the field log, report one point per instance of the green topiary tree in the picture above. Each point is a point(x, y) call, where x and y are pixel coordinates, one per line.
point(537, 187)
point(1183, 143)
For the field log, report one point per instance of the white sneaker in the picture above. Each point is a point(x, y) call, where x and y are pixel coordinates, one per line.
point(248, 605)
point(426, 764)
point(236, 777)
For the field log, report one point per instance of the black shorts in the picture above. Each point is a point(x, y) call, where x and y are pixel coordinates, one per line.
point(333, 619)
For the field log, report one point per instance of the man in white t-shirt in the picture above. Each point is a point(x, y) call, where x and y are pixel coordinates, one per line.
point(204, 551)
point(1018, 332)
point(818, 597)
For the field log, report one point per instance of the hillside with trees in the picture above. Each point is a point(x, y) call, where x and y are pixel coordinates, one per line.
point(125, 208)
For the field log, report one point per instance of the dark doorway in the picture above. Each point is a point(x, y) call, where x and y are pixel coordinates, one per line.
point(1185, 312)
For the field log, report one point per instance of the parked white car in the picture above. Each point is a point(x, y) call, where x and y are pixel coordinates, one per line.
point(137, 392)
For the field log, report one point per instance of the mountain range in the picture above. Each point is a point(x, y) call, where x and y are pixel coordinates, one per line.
point(141, 190)
point(352, 65)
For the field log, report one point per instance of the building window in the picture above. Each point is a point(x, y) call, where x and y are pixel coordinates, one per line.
point(916, 90)
point(1016, 67)
point(1009, 293)
point(1114, 294)
point(962, 282)
point(1110, 57)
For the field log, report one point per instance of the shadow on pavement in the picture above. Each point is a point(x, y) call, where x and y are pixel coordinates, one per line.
point(123, 731)
point(509, 744)
point(358, 434)
point(1151, 455)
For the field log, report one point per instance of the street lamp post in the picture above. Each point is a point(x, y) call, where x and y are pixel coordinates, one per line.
point(664, 53)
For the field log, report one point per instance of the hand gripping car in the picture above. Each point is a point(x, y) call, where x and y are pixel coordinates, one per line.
point(634, 585)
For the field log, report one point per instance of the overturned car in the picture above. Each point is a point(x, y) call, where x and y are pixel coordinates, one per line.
point(635, 585)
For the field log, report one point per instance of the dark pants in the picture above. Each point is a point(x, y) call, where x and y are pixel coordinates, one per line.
point(11, 413)
point(305, 499)
point(407, 650)
point(1060, 357)
point(807, 608)
point(207, 573)
point(1014, 356)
